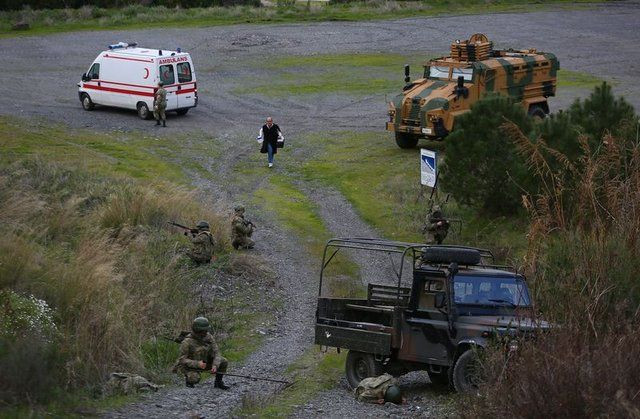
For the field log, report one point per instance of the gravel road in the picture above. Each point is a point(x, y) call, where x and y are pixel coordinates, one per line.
point(43, 72)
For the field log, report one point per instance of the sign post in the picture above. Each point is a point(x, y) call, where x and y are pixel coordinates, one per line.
point(428, 168)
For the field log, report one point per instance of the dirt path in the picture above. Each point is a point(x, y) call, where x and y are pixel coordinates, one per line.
point(43, 71)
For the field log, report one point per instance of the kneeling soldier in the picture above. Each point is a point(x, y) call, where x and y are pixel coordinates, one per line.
point(202, 250)
point(199, 352)
point(241, 230)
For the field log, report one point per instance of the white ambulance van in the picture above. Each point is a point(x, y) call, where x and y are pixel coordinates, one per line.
point(126, 76)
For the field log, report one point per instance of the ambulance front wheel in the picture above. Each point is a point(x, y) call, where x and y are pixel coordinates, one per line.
point(87, 103)
point(143, 110)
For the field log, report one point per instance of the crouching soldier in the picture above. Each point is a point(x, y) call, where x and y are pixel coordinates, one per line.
point(380, 390)
point(241, 230)
point(436, 227)
point(199, 352)
point(202, 243)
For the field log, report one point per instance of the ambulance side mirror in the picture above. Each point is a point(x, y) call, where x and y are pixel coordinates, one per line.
point(84, 77)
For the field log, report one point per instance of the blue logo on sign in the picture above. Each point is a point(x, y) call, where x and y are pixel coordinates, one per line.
point(430, 162)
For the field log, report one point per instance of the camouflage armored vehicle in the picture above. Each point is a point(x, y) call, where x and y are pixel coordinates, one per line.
point(455, 304)
point(428, 107)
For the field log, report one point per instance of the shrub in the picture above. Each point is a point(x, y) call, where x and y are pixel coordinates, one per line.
point(481, 166)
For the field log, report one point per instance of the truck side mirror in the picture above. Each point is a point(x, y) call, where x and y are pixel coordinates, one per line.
point(440, 299)
point(84, 77)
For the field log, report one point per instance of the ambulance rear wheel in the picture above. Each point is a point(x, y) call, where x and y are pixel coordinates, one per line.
point(406, 140)
point(143, 111)
point(182, 111)
point(87, 103)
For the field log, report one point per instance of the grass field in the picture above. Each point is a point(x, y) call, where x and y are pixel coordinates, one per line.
point(136, 17)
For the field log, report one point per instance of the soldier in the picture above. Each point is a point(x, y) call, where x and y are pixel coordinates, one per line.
point(160, 104)
point(436, 226)
point(241, 230)
point(378, 390)
point(199, 352)
point(202, 241)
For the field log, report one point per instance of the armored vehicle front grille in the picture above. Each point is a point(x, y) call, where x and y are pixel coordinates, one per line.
point(411, 122)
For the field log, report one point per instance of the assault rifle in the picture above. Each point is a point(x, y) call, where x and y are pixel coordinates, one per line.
point(186, 229)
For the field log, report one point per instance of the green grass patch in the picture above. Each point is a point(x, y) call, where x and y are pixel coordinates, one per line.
point(382, 182)
point(129, 155)
point(312, 373)
point(295, 211)
point(352, 74)
point(568, 78)
point(138, 17)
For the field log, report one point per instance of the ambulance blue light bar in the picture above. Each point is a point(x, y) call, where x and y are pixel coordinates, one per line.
point(123, 45)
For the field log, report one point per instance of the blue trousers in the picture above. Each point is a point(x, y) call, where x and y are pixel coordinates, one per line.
point(270, 153)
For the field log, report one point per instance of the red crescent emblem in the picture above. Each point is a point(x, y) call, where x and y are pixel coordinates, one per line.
point(146, 75)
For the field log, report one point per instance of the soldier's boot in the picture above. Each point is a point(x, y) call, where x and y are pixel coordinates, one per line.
point(219, 384)
point(164, 123)
point(157, 122)
point(188, 384)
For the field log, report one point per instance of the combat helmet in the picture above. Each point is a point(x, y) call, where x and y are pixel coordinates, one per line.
point(393, 394)
point(437, 211)
point(238, 208)
point(200, 324)
point(202, 225)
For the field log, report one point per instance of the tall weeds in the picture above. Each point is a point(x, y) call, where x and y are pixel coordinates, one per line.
point(583, 261)
point(100, 253)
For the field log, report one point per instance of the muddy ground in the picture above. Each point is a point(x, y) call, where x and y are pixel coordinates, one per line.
point(41, 73)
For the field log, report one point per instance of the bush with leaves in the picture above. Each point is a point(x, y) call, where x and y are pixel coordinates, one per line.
point(481, 167)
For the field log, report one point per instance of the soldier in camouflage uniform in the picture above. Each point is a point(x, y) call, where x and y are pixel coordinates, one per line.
point(159, 105)
point(199, 352)
point(436, 226)
point(378, 390)
point(202, 241)
point(241, 230)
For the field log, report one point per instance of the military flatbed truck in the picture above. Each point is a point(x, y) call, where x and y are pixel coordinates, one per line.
point(429, 106)
point(457, 302)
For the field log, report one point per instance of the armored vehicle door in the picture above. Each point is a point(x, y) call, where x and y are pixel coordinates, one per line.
point(425, 332)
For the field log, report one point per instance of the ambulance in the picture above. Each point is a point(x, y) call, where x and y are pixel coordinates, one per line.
point(126, 76)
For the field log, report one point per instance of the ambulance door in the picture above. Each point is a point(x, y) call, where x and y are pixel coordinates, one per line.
point(93, 84)
point(168, 79)
point(187, 87)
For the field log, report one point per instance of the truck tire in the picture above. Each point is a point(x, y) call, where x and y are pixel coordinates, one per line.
point(143, 110)
point(406, 140)
point(361, 365)
point(467, 373)
point(435, 254)
point(182, 111)
point(536, 112)
point(87, 103)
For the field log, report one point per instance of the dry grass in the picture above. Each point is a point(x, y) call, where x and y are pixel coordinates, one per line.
point(583, 260)
point(100, 253)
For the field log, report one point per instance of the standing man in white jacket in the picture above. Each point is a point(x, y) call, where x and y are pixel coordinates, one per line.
point(271, 138)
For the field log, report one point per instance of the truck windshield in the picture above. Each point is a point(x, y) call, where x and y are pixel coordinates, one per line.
point(491, 290)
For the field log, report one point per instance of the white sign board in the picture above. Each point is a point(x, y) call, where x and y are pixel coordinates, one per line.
point(428, 168)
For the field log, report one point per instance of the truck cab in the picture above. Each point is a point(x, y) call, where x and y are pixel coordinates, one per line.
point(456, 302)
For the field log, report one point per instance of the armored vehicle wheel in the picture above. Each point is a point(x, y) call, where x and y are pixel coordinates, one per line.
point(537, 112)
point(406, 140)
point(467, 373)
point(87, 103)
point(360, 366)
point(182, 111)
point(143, 110)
